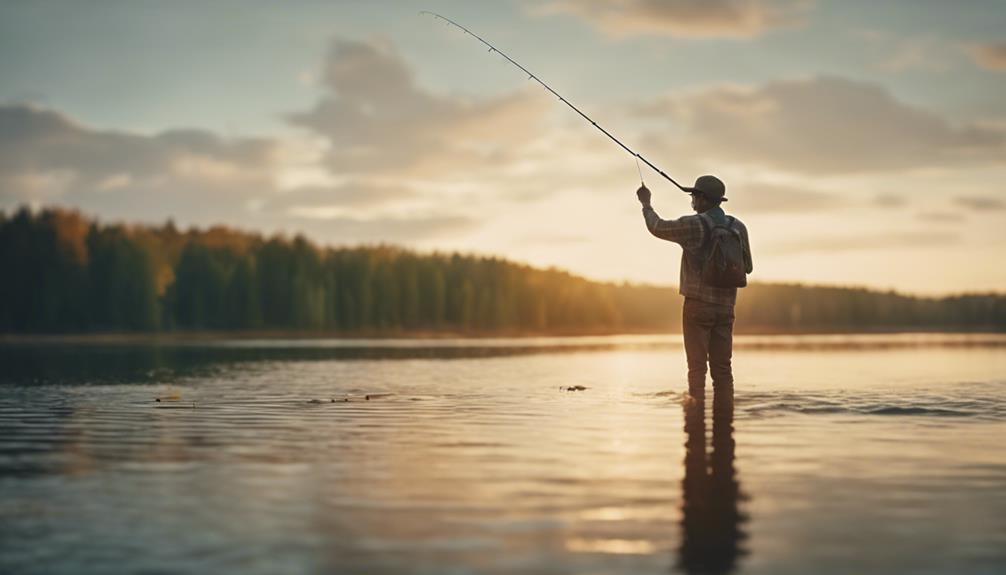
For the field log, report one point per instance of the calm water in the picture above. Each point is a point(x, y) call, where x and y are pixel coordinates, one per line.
point(871, 454)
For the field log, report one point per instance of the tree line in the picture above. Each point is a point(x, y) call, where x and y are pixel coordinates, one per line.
point(66, 273)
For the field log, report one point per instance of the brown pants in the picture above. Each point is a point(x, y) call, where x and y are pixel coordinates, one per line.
point(709, 332)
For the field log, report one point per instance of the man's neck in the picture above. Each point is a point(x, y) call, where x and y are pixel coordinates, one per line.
point(716, 213)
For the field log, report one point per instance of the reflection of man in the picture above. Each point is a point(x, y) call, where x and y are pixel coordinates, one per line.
point(708, 315)
point(711, 522)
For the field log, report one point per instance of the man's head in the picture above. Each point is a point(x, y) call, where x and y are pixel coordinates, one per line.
point(707, 193)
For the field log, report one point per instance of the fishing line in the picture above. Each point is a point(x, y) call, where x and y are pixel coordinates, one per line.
point(531, 76)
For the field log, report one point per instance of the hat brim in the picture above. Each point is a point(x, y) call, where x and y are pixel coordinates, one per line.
point(698, 191)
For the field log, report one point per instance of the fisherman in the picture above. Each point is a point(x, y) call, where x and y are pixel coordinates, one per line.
point(708, 314)
point(709, 297)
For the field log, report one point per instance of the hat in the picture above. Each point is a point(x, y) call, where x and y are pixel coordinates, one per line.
point(709, 186)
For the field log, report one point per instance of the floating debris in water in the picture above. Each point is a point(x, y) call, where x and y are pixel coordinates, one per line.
point(348, 399)
point(574, 388)
point(174, 404)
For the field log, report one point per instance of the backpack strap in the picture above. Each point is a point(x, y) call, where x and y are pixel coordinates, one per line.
point(707, 231)
point(730, 226)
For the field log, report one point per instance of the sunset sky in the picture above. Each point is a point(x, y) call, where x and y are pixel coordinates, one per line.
point(862, 142)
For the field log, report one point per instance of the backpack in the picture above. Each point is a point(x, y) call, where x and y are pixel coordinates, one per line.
point(723, 266)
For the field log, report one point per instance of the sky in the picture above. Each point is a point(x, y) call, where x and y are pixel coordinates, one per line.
point(862, 143)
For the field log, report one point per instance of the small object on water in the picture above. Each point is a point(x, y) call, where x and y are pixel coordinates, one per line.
point(173, 405)
point(370, 396)
point(348, 399)
point(574, 388)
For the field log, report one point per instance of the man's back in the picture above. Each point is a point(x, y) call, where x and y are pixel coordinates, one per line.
point(692, 233)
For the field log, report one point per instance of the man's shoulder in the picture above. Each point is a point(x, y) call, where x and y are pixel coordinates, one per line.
point(688, 219)
point(736, 222)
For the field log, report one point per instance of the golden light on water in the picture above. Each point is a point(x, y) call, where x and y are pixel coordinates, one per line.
point(621, 513)
point(612, 546)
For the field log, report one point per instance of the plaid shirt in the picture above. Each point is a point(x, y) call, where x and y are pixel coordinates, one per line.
point(689, 232)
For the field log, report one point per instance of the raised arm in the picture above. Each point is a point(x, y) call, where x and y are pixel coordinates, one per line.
point(687, 230)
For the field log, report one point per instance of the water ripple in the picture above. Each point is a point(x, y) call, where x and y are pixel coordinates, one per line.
point(983, 402)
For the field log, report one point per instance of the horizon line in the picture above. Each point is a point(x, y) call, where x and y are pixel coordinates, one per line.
point(287, 235)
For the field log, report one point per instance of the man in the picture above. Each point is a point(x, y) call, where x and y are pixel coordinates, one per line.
point(708, 315)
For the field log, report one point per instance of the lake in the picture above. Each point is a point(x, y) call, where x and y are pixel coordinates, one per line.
point(837, 454)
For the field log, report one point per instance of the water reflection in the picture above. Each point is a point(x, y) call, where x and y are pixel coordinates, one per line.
point(141, 359)
point(712, 524)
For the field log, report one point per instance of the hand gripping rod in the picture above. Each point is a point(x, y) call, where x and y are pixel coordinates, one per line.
point(531, 76)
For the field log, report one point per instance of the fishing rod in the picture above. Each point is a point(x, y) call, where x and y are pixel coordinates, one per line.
point(531, 76)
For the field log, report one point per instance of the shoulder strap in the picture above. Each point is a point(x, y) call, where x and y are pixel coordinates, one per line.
point(730, 226)
point(707, 231)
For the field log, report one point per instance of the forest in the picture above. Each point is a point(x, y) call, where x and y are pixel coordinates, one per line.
point(67, 273)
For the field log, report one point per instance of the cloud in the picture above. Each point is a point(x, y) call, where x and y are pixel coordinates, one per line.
point(824, 125)
point(865, 242)
point(981, 203)
point(895, 53)
point(47, 157)
point(387, 160)
point(193, 176)
point(403, 230)
point(377, 120)
point(888, 200)
point(940, 217)
point(775, 198)
point(918, 54)
point(683, 18)
point(349, 195)
point(33, 138)
point(991, 56)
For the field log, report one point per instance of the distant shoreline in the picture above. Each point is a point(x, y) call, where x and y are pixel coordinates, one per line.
point(110, 338)
point(81, 280)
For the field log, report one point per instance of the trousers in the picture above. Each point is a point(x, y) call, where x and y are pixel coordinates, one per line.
point(708, 330)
